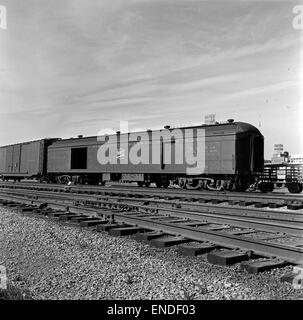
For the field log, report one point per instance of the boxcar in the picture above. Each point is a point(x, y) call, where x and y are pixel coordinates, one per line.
point(24, 160)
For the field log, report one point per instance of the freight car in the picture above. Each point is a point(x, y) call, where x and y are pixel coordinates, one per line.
point(232, 157)
point(281, 175)
point(24, 160)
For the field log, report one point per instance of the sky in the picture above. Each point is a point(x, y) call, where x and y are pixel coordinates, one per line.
point(77, 67)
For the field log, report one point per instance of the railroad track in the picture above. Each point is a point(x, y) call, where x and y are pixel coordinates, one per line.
point(272, 200)
point(202, 209)
point(279, 240)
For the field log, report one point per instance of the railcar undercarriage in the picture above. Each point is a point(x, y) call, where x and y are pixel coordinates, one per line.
point(209, 182)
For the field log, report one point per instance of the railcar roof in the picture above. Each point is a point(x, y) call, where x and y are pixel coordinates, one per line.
point(26, 142)
point(238, 127)
point(235, 127)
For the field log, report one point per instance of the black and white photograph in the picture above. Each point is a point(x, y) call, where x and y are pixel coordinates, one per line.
point(151, 153)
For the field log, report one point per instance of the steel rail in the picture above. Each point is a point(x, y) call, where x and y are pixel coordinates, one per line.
point(255, 223)
point(224, 195)
point(289, 253)
point(278, 215)
point(269, 226)
point(271, 216)
point(287, 216)
point(263, 248)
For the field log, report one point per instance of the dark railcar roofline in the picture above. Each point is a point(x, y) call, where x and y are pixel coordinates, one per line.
point(240, 127)
point(15, 144)
point(246, 127)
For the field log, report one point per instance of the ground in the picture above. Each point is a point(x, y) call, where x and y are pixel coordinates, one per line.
point(47, 259)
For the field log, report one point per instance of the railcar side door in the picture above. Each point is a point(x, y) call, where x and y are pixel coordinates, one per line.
point(16, 158)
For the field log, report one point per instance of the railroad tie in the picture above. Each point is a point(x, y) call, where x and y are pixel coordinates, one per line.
point(196, 249)
point(227, 257)
point(168, 241)
point(261, 266)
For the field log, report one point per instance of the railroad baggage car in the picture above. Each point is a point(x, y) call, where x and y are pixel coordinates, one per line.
point(233, 154)
point(24, 160)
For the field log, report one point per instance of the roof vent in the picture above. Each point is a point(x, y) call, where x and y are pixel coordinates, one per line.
point(80, 136)
point(167, 127)
point(230, 120)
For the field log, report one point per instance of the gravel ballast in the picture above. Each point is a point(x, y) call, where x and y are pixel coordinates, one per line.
point(55, 260)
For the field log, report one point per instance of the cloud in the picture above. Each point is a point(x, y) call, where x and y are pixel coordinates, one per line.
point(76, 64)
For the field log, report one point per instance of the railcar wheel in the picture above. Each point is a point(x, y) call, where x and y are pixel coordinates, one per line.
point(182, 183)
point(147, 184)
point(227, 186)
point(158, 184)
point(81, 180)
point(140, 184)
point(241, 187)
point(262, 187)
point(295, 187)
point(270, 187)
point(165, 184)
